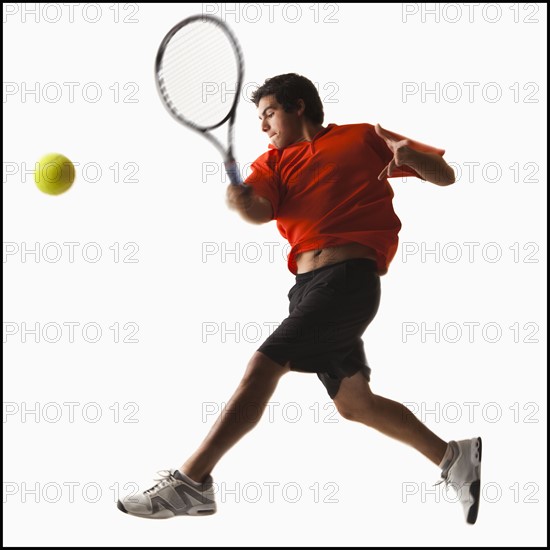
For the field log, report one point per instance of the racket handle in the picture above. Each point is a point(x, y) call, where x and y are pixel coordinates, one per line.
point(232, 171)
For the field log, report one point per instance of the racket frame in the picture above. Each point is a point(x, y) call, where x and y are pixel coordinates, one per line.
point(227, 153)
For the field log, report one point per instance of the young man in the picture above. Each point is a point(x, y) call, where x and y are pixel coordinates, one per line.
point(327, 189)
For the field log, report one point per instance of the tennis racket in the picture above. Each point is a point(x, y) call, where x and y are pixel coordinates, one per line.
point(199, 65)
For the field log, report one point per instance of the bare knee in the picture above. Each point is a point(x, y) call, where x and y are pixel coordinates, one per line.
point(361, 413)
point(355, 401)
point(261, 368)
point(345, 412)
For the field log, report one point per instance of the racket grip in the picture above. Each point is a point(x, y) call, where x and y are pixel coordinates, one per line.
point(232, 171)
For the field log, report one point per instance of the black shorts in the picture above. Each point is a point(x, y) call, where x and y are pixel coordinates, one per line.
point(329, 310)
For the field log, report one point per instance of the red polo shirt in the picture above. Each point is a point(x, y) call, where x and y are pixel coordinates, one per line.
point(326, 192)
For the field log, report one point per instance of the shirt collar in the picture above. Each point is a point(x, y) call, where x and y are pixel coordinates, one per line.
point(317, 136)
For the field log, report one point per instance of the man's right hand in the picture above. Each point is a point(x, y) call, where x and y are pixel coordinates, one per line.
point(251, 207)
point(239, 197)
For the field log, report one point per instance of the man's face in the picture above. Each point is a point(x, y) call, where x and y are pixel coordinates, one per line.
point(281, 127)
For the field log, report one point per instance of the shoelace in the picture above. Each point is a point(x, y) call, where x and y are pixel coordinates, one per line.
point(442, 480)
point(448, 483)
point(165, 477)
point(444, 476)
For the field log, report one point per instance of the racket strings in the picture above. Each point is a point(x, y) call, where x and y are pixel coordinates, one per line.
point(199, 74)
point(182, 57)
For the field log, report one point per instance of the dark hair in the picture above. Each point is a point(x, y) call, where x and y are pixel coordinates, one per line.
point(287, 89)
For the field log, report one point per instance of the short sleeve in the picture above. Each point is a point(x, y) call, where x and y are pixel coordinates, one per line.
point(265, 179)
point(385, 154)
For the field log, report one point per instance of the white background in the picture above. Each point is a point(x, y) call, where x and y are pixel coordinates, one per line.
point(360, 56)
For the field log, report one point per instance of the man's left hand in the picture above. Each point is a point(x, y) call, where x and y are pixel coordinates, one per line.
point(399, 147)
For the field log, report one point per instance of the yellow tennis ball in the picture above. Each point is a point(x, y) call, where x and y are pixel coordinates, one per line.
point(54, 174)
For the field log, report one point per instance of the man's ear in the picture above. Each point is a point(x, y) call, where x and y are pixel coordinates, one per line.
point(300, 107)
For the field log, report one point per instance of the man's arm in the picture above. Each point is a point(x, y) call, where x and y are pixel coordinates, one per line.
point(429, 166)
point(252, 208)
point(426, 160)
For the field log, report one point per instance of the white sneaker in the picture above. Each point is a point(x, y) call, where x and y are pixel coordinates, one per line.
point(174, 495)
point(464, 475)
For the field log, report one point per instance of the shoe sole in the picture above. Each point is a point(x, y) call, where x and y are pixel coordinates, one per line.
point(204, 510)
point(475, 490)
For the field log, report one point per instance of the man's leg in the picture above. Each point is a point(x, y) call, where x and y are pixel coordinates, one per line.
point(355, 401)
point(189, 491)
point(241, 414)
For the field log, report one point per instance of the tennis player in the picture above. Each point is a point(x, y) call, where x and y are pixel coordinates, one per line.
point(327, 189)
